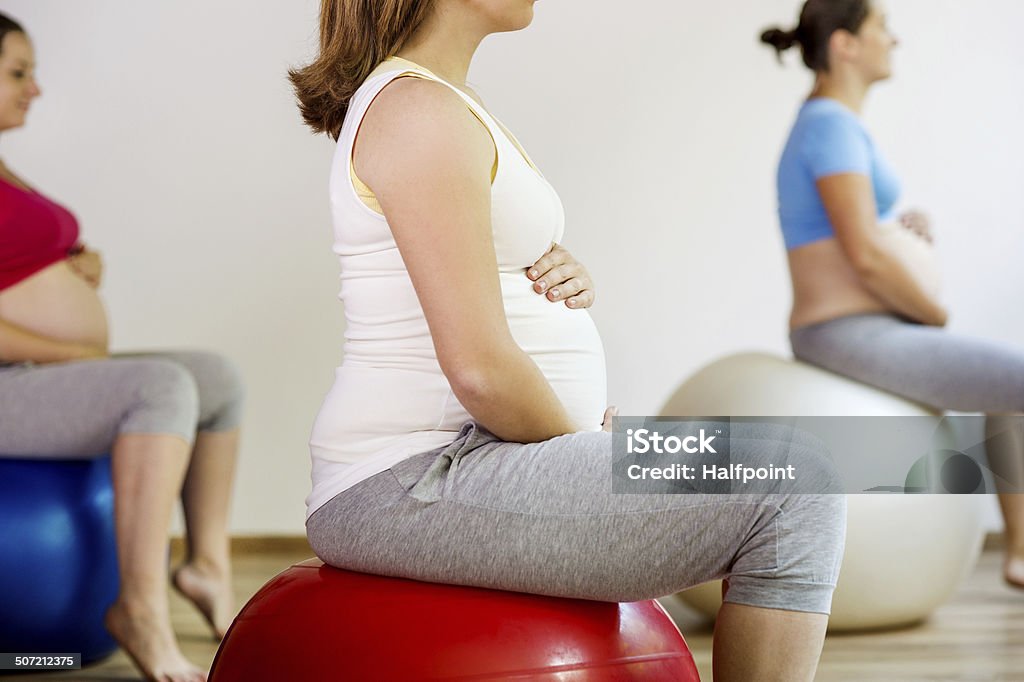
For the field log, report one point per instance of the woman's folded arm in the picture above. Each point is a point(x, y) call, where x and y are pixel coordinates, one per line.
point(850, 203)
point(428, 160)
point(18, 344)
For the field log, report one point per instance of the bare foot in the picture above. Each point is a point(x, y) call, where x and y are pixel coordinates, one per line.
point(210, 590)
point(1013, 569)
point(147, 638)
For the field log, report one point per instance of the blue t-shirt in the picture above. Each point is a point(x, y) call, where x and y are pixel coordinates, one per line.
point(827, 139)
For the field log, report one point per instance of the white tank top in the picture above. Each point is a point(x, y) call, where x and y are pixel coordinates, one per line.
point(390, 400)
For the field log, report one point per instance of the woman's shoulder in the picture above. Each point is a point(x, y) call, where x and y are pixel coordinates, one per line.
point(824, 111)
point(419, 120)
point(419, 105)
point(824, 121)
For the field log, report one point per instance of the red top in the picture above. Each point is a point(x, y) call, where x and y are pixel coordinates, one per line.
point(34, 233)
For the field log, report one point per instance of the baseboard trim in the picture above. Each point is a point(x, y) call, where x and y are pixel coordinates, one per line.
point(994, 542)
point(247, 545)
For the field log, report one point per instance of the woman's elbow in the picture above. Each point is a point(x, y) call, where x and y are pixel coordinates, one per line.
point(475, 376)
point(475, 386)
point(866, 261)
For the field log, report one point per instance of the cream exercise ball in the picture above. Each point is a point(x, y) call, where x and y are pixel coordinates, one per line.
point(905, 554)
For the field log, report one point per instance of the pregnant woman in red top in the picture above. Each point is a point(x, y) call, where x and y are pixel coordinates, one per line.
point(169, 420)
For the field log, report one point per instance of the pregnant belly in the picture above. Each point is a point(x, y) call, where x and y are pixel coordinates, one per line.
point(826, 286)
point(56, 303)
point(917, 255)
point(566, 346)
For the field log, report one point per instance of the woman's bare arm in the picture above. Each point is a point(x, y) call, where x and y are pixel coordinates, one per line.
point(20, 345)
point(428, 161)
point(850, 202)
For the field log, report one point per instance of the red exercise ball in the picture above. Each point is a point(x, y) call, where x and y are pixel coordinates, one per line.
point(314, 622)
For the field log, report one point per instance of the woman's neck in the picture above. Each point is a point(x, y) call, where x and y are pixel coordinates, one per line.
point(844, 88)
point(445, 44)
point(7, 175)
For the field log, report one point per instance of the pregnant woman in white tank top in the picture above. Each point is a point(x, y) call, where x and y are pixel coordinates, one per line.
point(392, 398)
point(462, 439)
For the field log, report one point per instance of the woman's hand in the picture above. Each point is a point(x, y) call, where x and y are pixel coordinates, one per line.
point(562, 278)
point(88, 265)
point(609, 414)
point(918, 223)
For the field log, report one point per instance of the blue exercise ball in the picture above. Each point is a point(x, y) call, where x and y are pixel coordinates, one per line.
point(58, 558)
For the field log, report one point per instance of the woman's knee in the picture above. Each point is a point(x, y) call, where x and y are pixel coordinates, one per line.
point(221, 389)
point(813, 536)
point(166, 399)
point(792, 562)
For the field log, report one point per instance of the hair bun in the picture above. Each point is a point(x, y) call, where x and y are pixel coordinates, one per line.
point(779, 39)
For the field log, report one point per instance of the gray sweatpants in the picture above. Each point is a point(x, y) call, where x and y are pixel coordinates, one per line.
point(542, 518)
point(77, 409)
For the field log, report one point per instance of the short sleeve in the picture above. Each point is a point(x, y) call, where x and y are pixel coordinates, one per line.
point(835, 143)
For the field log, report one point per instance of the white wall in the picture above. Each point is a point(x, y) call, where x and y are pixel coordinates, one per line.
point(169, 128)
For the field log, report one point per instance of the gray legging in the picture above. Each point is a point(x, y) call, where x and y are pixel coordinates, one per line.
point(542, 518)
point(926, 364)
point(77, 409)
point(934, 367)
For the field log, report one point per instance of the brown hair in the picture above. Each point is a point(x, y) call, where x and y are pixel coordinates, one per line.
point(819, 19)
point(355, 36)
point(8, 25)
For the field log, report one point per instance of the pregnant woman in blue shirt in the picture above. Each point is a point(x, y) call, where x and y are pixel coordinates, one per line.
point(864, 279)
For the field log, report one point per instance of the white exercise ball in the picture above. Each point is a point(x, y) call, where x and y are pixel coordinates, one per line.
point(905, 554)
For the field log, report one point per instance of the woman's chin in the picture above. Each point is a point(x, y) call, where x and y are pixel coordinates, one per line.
point(521, 21)
point(11, 122)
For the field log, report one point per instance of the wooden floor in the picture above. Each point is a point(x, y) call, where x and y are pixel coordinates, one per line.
point(978, 636)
